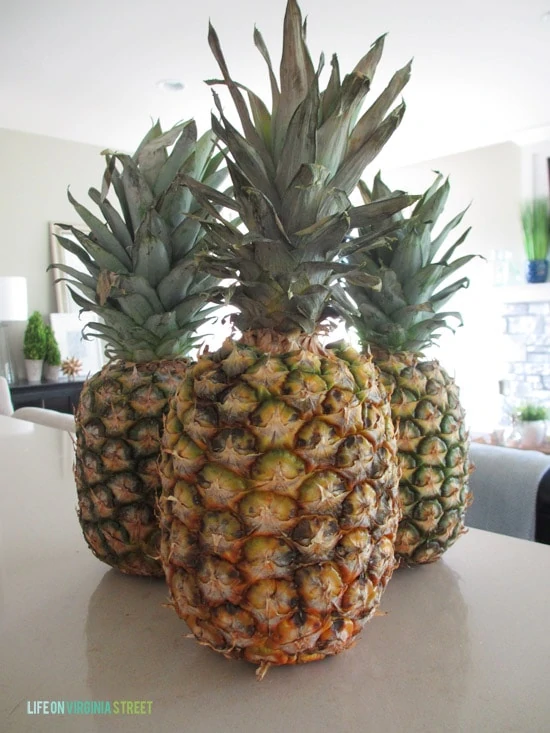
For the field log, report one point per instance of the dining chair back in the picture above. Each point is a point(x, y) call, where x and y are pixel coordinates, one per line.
point(43, 416)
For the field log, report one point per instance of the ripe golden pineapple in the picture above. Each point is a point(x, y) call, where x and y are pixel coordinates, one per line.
point(142, 283)
point(394, 325)
point(279, 504)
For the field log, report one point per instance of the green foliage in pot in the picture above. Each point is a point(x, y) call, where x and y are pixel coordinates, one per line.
point(34, 341)
point(52, 357)
point(535, 220)
point(531, 413)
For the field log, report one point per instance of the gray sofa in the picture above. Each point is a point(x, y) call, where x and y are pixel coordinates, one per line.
point(511, 491)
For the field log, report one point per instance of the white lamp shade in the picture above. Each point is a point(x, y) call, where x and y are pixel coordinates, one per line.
point(13, 299)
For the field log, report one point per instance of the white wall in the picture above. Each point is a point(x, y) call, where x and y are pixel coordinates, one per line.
point(487, 178)
point(490, 179)
point(534, 169)
point(36, 171)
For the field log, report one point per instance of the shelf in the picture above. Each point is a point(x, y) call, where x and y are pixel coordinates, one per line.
point(527, 293)
point(62, 396)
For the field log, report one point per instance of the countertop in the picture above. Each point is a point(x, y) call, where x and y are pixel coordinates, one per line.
point(463, 645)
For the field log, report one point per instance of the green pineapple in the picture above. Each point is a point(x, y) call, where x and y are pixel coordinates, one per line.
point(395, 325)
point(279, 505)
point(140, 279)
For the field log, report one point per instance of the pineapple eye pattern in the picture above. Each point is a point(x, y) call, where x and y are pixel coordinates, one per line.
point(293, 504)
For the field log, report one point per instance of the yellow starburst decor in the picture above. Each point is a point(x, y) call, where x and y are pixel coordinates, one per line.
point(71, 367)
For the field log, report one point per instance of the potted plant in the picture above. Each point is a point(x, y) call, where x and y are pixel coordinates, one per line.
point(34, 347)
point(52, 357)
point(530, 422)
point(535, 221)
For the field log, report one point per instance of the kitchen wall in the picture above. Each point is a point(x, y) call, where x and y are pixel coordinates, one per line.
point(36, 171)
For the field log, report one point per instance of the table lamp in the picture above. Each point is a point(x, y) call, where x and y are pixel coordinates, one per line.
point(13, 307)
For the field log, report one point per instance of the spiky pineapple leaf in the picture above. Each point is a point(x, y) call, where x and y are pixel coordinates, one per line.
point(74, 248)
point(151, 154)
point(138, 194)
point(366, 151)
point(262, 48)
point(99, 255)
point(362, 216)
point(440, 297)
point(141, 286)
point(322, 239)
point(135, 306)
point(300, 142)
point(256, 210)
point(113, 177)
point(248, 157)
point(376, 113)
point(82, 289)
point(444, 233)
point(185, 143)
point(330, 97)
point(445, 259)
point(296, 74)
point(105, 238)
point(77, 275)
point(250, 132)
point(334, 133)
point(152, 261)
point(113, 219)
point(303, 197)
point(261, 116)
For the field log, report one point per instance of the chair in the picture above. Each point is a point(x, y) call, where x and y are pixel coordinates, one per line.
point(6, 406)
point(43, 416)
point(506, 485)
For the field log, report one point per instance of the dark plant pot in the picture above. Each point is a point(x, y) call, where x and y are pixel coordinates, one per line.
point(536, 271)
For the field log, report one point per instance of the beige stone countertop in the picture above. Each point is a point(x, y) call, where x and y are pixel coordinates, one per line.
point(464, 644)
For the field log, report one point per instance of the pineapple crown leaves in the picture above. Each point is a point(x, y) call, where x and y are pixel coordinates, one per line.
point(306, 125)
point(139, 274)
point(286, 281)
point(292, 168)
point(406, 313)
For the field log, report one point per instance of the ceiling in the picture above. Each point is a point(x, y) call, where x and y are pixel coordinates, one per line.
point(87, 71)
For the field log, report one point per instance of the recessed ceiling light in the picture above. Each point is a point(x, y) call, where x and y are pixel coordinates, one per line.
point(171, 85)
point(545, 17)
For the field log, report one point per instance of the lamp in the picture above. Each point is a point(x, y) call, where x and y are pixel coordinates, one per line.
point(13, 307)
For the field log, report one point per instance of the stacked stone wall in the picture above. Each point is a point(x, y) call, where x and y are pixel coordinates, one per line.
point(526, 328)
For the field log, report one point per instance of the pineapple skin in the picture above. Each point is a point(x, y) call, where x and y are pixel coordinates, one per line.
point(433, 445)
point(118, 428)
point(279, 505)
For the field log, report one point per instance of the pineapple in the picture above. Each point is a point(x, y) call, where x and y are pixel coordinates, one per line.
point(279, 504)
point(395, 325)
point(141, 281)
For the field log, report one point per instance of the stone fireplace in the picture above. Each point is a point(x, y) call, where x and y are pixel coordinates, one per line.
point(526, 341)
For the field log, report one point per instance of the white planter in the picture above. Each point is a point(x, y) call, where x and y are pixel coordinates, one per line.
point(51, 372)
point(33, 369)
point(532, 433)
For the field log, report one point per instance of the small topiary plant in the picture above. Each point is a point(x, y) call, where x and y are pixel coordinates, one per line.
point(52, 357)
point(34, 341)
point(531, 413)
